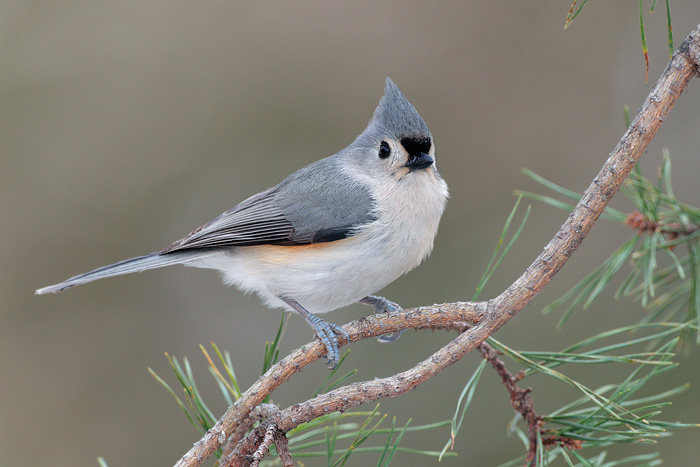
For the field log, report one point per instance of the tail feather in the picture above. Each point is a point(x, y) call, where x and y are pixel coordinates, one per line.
point(138, 264)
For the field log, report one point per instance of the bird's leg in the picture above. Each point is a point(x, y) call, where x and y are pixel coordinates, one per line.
point(382, 305)
point(327, 332)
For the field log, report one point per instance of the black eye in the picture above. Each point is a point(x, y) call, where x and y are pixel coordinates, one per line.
point(384, 150)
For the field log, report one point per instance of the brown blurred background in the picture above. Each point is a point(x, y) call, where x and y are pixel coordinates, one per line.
point(126, 124)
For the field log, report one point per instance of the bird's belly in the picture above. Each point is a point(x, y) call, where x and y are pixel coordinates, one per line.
point(321, 277)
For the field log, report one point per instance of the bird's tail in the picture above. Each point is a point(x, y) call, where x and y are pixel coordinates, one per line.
point(138, 264)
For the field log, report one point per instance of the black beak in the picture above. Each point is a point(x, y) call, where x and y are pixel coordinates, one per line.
point(419, 161)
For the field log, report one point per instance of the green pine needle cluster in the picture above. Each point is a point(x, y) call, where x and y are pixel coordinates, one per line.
point(613, 413)
point(334, 436)
point(663, 230)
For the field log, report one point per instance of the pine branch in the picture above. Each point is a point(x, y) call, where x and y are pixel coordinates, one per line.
point(490, 315)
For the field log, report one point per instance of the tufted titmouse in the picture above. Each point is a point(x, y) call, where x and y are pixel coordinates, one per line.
point(328, 235)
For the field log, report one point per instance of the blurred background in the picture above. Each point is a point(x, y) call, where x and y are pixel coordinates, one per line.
point(124, 125)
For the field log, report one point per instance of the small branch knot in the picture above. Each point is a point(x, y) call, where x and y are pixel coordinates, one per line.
point(640, 222)
point(670, 230)
point(239, 443)
point(271, 432)
point(568, 443)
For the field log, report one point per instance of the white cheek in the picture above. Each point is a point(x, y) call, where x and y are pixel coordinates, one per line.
point(399, 158)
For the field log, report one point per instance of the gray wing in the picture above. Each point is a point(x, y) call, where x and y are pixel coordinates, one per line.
point(315, 204)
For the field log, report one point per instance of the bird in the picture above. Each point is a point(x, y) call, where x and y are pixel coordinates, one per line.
point(333, 233)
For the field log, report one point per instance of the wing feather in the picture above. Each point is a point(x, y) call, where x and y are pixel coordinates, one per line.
point(316, 204)
point(255, 221)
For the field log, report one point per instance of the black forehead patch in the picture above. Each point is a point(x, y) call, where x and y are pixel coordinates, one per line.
point(416, 145)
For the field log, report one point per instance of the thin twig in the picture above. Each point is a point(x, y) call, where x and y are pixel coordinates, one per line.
point(492, 314)
point(268, 439)
point(520, 399)
point(282, 445)
point(522, 402)
point(251, 450)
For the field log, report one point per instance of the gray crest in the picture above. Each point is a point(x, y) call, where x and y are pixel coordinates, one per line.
point(397, 116)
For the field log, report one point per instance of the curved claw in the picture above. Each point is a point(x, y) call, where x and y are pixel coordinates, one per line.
point(333, 353)
point(328, 334)
point(382, 305)
point(389, 338)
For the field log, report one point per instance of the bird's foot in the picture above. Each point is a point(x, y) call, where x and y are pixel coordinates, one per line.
point(382, 305)
point(327, 332)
